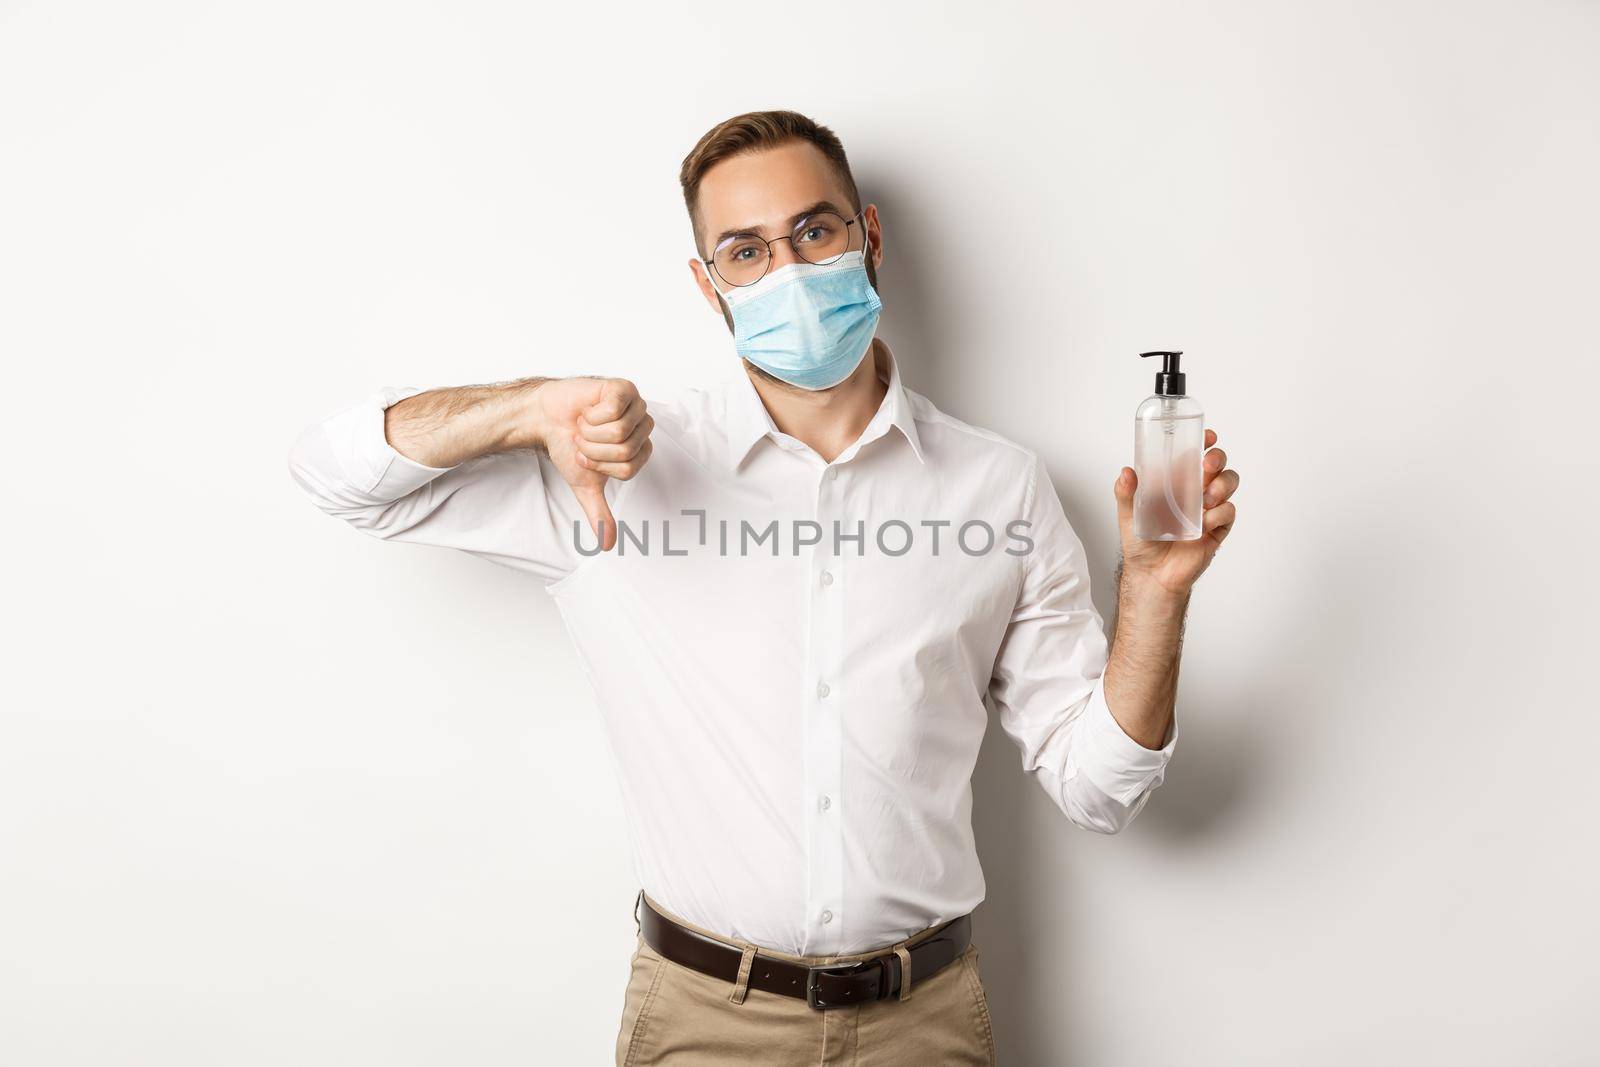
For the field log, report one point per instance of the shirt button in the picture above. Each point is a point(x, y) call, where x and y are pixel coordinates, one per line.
point(827, 577)
point(825, 802)
point(822, 689)
point(826, 916)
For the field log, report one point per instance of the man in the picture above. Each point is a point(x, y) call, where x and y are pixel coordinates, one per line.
point(792, 594)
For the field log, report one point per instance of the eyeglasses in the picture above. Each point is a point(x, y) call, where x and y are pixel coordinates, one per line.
point(744, 258)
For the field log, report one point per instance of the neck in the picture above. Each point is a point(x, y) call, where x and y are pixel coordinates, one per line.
point(827, 420)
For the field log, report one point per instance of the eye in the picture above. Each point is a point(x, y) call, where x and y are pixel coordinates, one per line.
point(815, 232)
point(745, 251)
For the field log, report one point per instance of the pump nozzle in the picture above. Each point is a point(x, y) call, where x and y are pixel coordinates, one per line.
point(1169, 382)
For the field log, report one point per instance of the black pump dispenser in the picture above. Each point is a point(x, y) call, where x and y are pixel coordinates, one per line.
point(1169, 382)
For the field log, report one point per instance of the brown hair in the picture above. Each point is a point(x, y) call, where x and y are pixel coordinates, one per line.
point(752, 132)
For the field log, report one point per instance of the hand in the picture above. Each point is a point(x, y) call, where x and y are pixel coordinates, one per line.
point(593, 429)
point(1175, 565)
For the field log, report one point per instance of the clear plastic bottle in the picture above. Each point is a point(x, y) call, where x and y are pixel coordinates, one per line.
point(1168, 451)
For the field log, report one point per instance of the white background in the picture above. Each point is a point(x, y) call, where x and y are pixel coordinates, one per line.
point(275, 793)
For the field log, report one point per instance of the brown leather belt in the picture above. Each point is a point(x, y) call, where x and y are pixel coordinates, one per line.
point(829, 986)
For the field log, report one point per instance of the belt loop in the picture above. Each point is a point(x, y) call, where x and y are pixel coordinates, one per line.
point(637, 925)
point(905, 970)
point(741, 985)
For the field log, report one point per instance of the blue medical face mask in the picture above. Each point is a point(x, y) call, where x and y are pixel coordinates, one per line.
point(806, 324)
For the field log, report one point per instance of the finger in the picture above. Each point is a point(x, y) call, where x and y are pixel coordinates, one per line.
point(1221, 515)
point(1211, 437)
point(617, 429)
point(1215, 460)
point(626, 469)
point(617, 453)
point(1221, 488)
point(614, 398)
point(592, 498)
point(1220, 534)
point(1127, 481)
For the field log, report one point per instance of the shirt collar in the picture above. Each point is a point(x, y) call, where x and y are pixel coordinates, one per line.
point(749, 421)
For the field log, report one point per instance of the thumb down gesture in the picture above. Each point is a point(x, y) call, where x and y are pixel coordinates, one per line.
point(594, 429)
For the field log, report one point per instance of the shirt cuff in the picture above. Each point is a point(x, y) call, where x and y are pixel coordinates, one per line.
point(397, 474)
point(1120, 766)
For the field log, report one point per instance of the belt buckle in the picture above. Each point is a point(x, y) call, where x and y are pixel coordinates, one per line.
point(835, 968)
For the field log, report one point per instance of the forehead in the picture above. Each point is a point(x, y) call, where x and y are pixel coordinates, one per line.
point(760, 190)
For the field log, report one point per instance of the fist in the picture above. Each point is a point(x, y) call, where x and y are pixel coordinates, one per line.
point(594, 429)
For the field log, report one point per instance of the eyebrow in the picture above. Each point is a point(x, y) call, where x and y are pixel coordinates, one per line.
point(794, 220)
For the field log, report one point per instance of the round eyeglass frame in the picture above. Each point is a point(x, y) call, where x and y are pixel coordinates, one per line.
point(711, 264)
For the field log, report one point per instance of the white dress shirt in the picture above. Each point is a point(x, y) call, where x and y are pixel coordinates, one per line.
point(794, 710)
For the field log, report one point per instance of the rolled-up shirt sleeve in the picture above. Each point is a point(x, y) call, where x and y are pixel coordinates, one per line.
point(512, 508)
point(1049, 681)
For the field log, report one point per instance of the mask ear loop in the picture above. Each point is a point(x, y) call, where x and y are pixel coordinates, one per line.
point(711, 276)
point(866, 245)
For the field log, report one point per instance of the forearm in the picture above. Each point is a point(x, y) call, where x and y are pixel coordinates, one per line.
point(1141, 675)
point(444, 427)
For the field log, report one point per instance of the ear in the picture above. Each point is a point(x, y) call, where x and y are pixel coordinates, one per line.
point(703, 280)
point(874, 231)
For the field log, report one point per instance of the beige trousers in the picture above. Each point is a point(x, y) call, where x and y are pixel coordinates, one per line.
point(675, 1015)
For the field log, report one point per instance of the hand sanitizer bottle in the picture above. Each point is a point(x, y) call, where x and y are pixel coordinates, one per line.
point(1168, 449)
